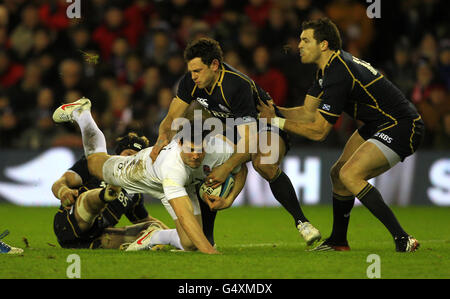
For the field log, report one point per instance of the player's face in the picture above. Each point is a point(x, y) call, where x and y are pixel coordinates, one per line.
point(203, 75)
point(192, 155)
point(308, 47)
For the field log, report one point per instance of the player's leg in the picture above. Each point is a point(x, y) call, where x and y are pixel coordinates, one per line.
point(80, 112)
point(370, 160)
point(343, 199)
point(208, 219)
point(270, 153)
point(177, 237)
point(113, 238)
point(90, 204)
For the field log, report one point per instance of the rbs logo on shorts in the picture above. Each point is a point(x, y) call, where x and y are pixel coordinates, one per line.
point(384, 137)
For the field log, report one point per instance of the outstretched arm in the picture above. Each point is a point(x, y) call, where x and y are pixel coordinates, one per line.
point(183, 209)
point(308, 123)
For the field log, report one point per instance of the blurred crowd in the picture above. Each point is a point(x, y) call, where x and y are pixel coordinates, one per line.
point(140, 59)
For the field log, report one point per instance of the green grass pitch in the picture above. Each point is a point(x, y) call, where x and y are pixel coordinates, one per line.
point(256, 243)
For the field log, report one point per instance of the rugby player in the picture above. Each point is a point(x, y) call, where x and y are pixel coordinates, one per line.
point(230, 95)
point(392, 128)
point(171, 177)
point(90, 209)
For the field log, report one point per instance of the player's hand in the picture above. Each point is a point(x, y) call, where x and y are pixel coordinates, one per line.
point(68, 196)
point(217, 176)
point(266, 110)
point(162, 142)
point(215, 203)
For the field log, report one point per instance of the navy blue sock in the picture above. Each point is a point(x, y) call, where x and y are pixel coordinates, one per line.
point(371, 198)
point(342, 205)
point(284, 192)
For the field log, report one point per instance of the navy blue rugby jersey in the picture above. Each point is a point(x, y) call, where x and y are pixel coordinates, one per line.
point(131, 205)
point(233, 95)
point(351, 85)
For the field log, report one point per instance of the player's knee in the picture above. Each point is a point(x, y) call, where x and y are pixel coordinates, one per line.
point(347, 175)
point(267, 171)
point(335, 173)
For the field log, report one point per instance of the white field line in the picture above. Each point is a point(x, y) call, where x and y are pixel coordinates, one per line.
point(295, 244)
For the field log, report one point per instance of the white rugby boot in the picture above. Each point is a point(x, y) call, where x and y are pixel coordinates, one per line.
point(309, 233)
point(64, 113)
point(143, 242)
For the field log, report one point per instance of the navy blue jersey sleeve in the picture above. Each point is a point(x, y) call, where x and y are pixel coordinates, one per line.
point(186, 88)
point(81, 168)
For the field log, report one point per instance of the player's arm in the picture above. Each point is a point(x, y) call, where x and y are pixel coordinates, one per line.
point(316, 128)
point(177, 109)
point(217, 203)
point(65, 187)
point(246, 144)
point(305, 113)
point(183, 209)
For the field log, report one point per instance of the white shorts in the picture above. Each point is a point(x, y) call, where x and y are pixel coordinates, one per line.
point(129, 173)
point(194, 201)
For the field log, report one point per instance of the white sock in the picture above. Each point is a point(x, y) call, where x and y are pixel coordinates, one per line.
point(93, 139)
point(166, 237)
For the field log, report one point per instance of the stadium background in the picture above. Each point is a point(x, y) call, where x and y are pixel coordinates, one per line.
point(140, 46)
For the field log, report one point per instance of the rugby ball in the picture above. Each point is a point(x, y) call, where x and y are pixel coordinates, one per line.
point(221, 191)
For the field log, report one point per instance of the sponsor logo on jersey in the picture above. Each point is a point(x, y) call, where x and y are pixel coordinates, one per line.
point(384, 137)
point(203, 102)
point(224, 108)
point(220, 114)
point(326, 107)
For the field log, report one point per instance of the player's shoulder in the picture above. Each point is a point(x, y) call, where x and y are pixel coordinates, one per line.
point(234, 77)
point(186, 87)
point(338, 67)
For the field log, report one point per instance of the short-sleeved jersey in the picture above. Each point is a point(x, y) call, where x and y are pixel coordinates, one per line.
point(351, 85)
point(233, 95)
point(132, 206)
point(168, 177)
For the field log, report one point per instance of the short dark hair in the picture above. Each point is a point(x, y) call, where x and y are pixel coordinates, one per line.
point(325, 29)
point(205, 48)
point(131, 141)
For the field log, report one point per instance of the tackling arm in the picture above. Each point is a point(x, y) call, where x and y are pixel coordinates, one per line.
point(308, 121)
point(242, 154)
point(64, 188)
point(177, 109)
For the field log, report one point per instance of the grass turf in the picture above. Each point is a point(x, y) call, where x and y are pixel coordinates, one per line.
point(256, 243)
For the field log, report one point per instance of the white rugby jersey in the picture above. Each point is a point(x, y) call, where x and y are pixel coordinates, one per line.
point(168, 177)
